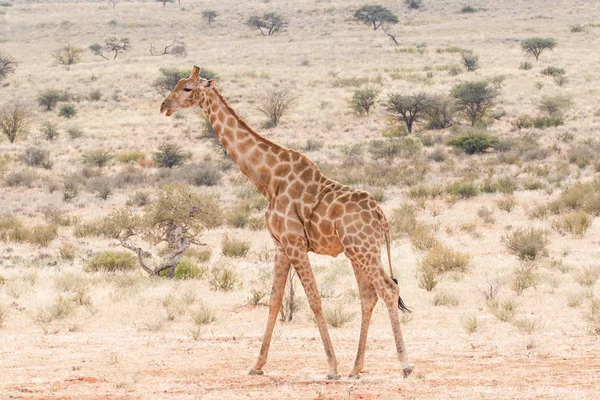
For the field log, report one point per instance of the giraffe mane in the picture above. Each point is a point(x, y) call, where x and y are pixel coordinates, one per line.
point(241, 121)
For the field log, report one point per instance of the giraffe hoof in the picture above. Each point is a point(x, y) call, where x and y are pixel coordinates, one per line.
point(407, 370)
point(332, 377)
point(256, 371)
point(355, 376)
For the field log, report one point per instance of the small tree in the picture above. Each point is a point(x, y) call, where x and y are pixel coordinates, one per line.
point(175, 49)
point(67, 55)
point(164, 2)
point(209, 16)
point(111, 45)
point(440, 112)
point(274, 104)
point(269, 24)
point(14, 120)
point(414, 4)
point(7, 66)
point(375, 15)
point(470, 60)
point(49, 130)
point(555, 106)
point(407, 108)
point(67, 110)
point(535, 46)
point(475, 99)
point(50, 97)
point(363, 100)
point(169, 155)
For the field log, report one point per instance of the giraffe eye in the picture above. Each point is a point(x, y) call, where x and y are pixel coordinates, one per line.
point(187, 89)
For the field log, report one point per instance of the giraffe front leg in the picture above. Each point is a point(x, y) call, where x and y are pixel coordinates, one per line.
point(282, 267)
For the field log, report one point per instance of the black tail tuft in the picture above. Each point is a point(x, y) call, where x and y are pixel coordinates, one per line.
point(401, 304)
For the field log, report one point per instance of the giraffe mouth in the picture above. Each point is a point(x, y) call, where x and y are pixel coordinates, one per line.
point(166, 109)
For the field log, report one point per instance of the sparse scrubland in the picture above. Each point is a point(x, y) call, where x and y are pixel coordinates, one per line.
point(134, 259)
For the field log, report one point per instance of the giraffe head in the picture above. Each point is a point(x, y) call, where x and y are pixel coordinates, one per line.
point(188, 92)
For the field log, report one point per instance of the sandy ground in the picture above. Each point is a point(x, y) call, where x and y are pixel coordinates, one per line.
point(132, 364)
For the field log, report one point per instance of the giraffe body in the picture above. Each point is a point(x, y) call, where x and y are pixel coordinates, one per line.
point(307, 212)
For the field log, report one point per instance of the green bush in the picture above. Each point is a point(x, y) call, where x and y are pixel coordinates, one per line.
point(35, 157)
point(130, 156)
point(111, 261)
point(473, 141)
point(363, 100)
point(576, 223)
point(539, 122)
point(390, 148)
point(187, 269)
point(97, 157)
point(553, 71)
point(49, 98)
point(462, 189)
point(441, 259)
point(525, 65)
point(224, 279)
point(67, 111)
point(49, 130)
point(468, 10)
point(169, 155)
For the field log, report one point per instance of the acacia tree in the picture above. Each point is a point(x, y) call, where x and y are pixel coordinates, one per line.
point(111, 45)
point(7, 66)
point(176, 49)
point(269, 24)
point(375, 15)
point(363, 100)
point(67, 55)
point(177, 217)
point(535, 46)
point(407, 108)
point(14, 120)
point(475, 99)
point(209, 16)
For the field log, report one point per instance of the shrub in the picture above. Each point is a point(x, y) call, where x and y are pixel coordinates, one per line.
point(98, 157)
point(35, 157)
point(223, 279)
point(20, 178)
point(274, 104)
point(506, 203)
point(525, 325)
point(7, 64)
point(171, 76)
point(268, 24)
point(576, 223)
point(67, 111)
point(525, 276)
point(504, 311)
point(427, 279)
point(67, 251)
point(70, 190)
point(49, 130)
point(525, 65)
point(539, 122)
point(74, 132)
point(169, 155)
point(414, 4)
point(441, 259)
point(232, 247)
point(130, 156)
point(440, 112)
point(391, 148)
point(14, 121)
point(471, 324)
point(375, 15)
point(338, 316)
point(527, 244)
point(203, 316)
point(203, 174)
point(579, 196)
point(49, 98)
point(553, 71)
point(555, 106)
point(468, 10)
point(445, 299)
point(473, 141)
point(113, 45)
point(475, 99)
point(139, 199)
point(470, 61)
point(455, 70)
point(111, 261)
point(363, 100)
point(535, 46)
point(95, 95)
point(67, 55)
point(462, 190)
point(587, 276)
point(198, 255)
point(187, 269)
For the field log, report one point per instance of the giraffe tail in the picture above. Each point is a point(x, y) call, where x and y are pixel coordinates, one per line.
point(386, 230)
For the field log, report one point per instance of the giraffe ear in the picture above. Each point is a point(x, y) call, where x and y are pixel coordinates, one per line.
point(195, 72)
point(211, 83)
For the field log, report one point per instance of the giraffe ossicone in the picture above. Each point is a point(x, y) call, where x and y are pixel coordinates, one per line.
point(307, 212)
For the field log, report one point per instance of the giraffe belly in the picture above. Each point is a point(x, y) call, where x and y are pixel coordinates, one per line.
point(323, 240)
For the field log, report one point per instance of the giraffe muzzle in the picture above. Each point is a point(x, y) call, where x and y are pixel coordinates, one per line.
point(165, 108)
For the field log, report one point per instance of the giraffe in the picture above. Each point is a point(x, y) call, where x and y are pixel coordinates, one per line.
point(307, 212)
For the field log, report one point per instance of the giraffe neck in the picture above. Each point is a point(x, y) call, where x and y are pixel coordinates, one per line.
point(245, 147)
